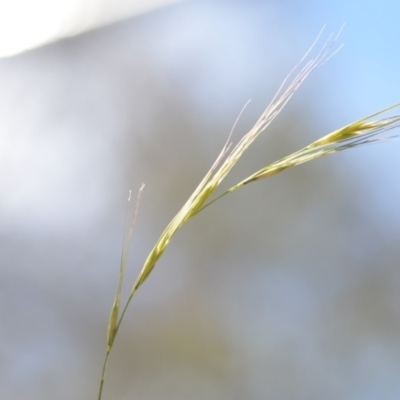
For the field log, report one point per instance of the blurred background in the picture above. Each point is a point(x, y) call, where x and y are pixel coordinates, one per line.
point(287, 289)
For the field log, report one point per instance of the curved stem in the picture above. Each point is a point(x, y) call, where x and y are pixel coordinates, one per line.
point(103, 373)
point(109, 347)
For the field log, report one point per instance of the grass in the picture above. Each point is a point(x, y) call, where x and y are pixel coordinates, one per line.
point(366, 130)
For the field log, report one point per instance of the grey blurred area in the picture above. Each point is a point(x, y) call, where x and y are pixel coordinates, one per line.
point(287, 289)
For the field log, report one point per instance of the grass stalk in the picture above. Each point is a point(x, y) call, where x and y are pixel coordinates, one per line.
point(358, 133)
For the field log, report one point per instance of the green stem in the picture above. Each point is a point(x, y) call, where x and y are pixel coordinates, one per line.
point(103, 372)
point(109, 347)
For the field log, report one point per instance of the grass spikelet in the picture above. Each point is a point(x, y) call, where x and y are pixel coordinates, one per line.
point(113, 322)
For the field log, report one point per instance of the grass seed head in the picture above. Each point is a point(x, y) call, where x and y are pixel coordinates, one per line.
point(226, 160)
